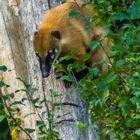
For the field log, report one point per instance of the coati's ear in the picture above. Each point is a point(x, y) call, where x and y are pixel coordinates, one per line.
point(56, 34)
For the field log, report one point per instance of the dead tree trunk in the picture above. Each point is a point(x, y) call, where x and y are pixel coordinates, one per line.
point(18, 21)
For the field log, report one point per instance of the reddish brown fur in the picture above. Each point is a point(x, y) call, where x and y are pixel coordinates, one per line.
point(73, 33)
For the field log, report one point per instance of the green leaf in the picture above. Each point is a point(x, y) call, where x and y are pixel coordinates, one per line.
point(2, 117)
point(70, 67)
point(123, 102)
point(134, 10)
point(17, 103)
point(34, 101)
point(137, 93)
point(52, 135)
point(127, 87)
point(88, 20)
point(2, 84)
point(120, 63)
point(3, 68)
point(74, 14)
point(111, 77)
point(87, 56)
point(94, 71)
point(20, 90)
point(128, 37)
point(66, 77)
point(37, 106)
point(137, 132)
point(105, 93)
point(33, 90)
point(81, 126)
point(100, 1)
point(44, 101)
point(65, 58)
point(136, 74)
point(40, 123)
point(119, 16)
point(5, 97)
point(27, 85)
point(29, 130)
point(137, 116)
point(94, 45)
point(53, 93)
point(135, 100)
point(79, 67)
point(24, 99)
point(102, 86)
point(12, 95)
point(106, 24)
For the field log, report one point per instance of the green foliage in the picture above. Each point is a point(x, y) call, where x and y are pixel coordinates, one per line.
point(4, 128)
point(3, 68)
point(46, 133)
point(74, 14)
point(29, 130)
point(114, 97)
point(94, 44)
point(81, 126)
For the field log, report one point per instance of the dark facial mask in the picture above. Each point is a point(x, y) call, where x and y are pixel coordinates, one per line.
point(46, 62)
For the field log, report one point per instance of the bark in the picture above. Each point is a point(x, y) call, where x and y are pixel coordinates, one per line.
point(18, 21)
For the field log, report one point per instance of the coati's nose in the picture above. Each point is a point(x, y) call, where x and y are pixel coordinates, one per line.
point(45, 73)
point(44, 67)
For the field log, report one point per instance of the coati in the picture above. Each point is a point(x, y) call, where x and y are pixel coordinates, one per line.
point(60, 34)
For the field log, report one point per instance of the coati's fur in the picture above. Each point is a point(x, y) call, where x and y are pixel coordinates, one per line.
point(59, 34)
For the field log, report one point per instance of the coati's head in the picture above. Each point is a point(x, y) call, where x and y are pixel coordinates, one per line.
point(46, 46)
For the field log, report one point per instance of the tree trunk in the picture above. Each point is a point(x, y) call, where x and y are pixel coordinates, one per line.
point(18, 21)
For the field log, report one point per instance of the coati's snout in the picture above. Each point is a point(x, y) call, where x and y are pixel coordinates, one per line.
point(45, 66)
point(47, 61)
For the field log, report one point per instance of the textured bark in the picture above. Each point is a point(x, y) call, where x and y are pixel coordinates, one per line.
point(18, 21)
